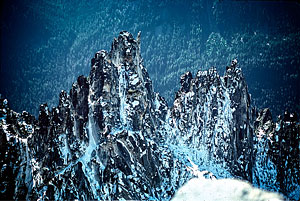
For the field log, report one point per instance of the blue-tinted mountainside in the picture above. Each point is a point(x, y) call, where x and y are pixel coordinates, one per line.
point(45, 45)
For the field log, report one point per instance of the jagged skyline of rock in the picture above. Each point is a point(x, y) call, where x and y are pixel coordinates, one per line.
point(46, 45)
point(113, 136)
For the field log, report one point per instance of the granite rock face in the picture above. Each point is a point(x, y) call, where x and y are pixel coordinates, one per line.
point(277, 153)
point(213, 113)
point(100, 142)
point(112, 137)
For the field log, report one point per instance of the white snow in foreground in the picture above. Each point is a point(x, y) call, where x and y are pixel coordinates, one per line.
point(198, 189)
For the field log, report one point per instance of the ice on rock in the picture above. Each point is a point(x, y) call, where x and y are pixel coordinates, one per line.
point(122, 91)
point(135, 103)
point(134, 79)
point(277, 126)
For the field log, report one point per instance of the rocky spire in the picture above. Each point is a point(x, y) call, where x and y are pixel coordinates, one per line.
point(213, 113)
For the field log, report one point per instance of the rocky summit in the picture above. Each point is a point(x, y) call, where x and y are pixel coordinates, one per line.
point(112, 137)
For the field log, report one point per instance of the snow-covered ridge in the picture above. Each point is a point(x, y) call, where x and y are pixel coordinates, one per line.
point(113, 137)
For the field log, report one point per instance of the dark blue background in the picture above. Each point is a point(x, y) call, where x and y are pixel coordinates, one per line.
point(46, 44)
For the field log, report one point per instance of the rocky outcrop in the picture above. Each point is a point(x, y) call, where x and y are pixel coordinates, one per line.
point(277, 153)
point(113, 137)
point(101, 139)
point(16, 129)
point(213, 114)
